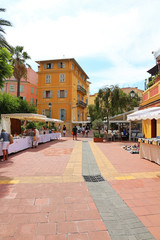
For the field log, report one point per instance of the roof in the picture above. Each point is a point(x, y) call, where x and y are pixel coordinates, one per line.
point(63, 59)
point(153, 71)
point(30, 117)
point(148, 113)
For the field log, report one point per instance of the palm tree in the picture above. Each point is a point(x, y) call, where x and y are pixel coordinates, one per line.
point(3, 42)
point(19, 58)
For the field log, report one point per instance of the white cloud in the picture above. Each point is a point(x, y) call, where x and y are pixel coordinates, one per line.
point(124, 32)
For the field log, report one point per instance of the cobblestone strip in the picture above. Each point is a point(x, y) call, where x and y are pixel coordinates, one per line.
point(120, 221)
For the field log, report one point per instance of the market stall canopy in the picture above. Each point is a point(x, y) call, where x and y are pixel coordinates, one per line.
point(6, 123)
point(80, 122)
point(149, 113)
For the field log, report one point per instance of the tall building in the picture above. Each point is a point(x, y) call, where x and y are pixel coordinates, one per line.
point(28, 87)
point(63, 91)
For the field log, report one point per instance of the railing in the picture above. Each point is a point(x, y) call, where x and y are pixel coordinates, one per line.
point(81, 104)
point(81, 89)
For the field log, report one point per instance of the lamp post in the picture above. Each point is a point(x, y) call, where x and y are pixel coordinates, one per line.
point(132, 94)
point(50, 105)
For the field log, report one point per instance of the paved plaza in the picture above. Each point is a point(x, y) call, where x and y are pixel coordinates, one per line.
point(79, 190)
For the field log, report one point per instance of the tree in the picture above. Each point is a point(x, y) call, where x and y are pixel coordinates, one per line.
point(12, 104)
point(3, 42)
point(6, 68)
point(93, 114)
point(110, 101)
point(97, 124)
point(19, 58)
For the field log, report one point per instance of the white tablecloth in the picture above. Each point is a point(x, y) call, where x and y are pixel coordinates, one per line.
point(150, 152)
point(20, 144)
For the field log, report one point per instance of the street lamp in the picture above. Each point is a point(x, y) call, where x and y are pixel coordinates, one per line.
point(50, 105)
point(132, 94)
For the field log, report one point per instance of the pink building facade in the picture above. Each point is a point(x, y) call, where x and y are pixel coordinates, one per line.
point(28, 87)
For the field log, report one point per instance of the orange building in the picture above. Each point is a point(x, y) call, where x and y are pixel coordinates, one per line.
point(63, 91)
point(28, 87)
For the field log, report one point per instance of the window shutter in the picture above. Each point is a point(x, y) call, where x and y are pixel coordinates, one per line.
point(65, 93)
point(51, 94)
point(63, 65)
point(59, 65)
point(60, 114)
point(45, 66)
point(44, 94)
point(51, 65)
point(64, 114)
point(43, 112)
point(57, 93)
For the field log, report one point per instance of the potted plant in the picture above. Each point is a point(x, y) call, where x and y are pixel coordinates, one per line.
point(97, 125)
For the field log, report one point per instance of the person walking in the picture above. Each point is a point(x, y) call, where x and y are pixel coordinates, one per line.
point(59, 127)
point(64, 131)
point(5, 136)
point(74, 130)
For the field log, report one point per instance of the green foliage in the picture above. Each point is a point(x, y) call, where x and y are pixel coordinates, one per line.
point(3, 42)
point(93, 113)
point(40, 125)
point(19, 64)
point(6, 68)
point(12, 104)
point(97, 124)
point(30, 125)
point(98, 135)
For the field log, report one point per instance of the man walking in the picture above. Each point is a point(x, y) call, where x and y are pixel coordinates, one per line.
point(74, 130)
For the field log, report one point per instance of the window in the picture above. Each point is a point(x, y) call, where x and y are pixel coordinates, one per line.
point(48, 78)
point(78, 115)
point(43, 112)
point(47, 94)
point(62, 114)
point(61, 65)
point(81, 75)
point(31, 100)
point(72, 66)
point(62, 77)
point(62, 94)
point(32, 90)
point(21, 88)
point(36, 91)
point(11, 88)
point(24, 98)
point(48, 65)
point(35, 102)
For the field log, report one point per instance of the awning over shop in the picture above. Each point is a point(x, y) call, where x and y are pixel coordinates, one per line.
point(6, 124)
point(149, 113)
point(80, 122)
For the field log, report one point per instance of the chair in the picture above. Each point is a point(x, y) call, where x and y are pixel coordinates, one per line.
point(139, 135)
point(133, 136)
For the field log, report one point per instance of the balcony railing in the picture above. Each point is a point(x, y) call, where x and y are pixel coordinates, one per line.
point(81, 89)
point(81, 104)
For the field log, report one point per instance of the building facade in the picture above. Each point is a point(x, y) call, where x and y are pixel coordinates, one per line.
point(151, 98)
point(63, 91)
point(28, 87)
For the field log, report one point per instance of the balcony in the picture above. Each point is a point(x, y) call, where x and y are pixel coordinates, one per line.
point(81, 104)
point(81, 90)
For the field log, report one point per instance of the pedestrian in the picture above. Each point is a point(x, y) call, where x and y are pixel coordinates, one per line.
point(86, 131)
point(5, 136)
point(35, 138)
point(83, 131)
point(64, 131)
point(59, 127)
point(74, 130)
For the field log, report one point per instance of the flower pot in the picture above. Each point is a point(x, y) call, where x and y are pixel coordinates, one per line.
point(95, 139)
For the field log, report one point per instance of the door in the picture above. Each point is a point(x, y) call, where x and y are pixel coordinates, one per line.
point(153, 128)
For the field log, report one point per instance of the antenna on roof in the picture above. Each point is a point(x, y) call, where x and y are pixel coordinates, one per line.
point(63, 55)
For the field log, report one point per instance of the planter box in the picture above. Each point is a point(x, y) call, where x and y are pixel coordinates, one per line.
point(95, 139)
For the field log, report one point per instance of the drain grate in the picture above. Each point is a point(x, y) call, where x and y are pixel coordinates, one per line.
point(95, 178)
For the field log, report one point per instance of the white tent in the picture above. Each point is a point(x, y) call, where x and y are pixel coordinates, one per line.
point(6, 122)
point(148, 113)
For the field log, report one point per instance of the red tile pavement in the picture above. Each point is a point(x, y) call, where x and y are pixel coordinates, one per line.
point(66, 211)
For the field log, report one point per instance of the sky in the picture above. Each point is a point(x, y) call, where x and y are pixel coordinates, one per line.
point(112, 40)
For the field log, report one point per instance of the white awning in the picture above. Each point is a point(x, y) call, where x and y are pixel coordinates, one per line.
point(148, 113)
point(82, 122)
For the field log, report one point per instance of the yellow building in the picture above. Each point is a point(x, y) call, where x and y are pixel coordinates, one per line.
point(151, 98)
point(63, 91)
